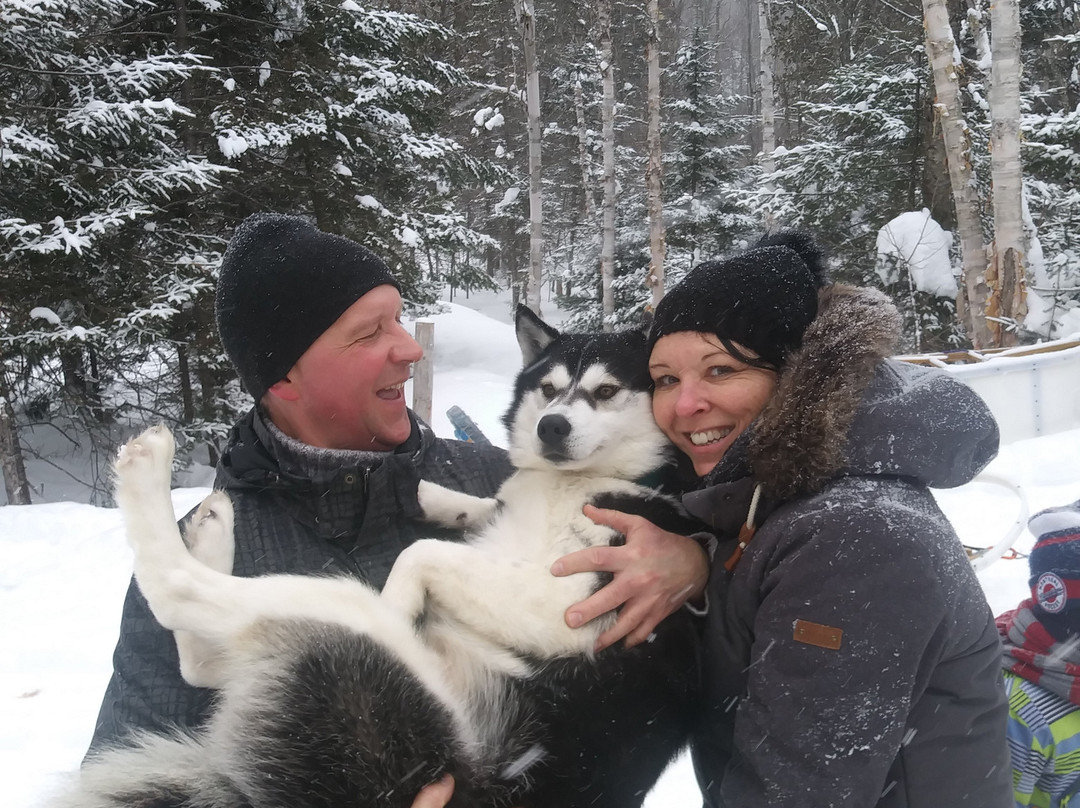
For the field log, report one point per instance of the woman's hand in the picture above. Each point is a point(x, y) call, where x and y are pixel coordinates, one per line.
point(656, 572)
point(436, 795)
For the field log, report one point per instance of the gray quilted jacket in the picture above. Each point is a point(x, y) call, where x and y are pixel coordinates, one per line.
point(851, 658)
point(297, 513)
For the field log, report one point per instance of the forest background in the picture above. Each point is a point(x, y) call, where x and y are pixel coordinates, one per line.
point(593, 149)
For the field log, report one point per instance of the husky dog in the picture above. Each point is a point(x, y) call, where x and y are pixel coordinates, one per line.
point(332, 694)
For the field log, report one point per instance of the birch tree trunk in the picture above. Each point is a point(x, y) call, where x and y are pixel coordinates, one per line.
point(607, 227)
point(11, 459)
point(1005, 276)
point(583, 152)
point(532, 100)
point(767, 100)
point(940, 46)
point(654, 178)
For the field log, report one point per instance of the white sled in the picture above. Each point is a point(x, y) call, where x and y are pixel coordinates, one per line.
point(983, 557)
point(1032, 390)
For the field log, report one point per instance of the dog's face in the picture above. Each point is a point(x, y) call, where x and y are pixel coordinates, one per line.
point(582, 402)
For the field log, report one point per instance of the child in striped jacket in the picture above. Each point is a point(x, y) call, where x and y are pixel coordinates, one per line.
point(1041, 640)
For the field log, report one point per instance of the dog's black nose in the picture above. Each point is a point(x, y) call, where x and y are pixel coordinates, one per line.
point(553, 429)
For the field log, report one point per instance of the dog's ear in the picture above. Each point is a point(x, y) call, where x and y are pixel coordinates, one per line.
point(533, 334)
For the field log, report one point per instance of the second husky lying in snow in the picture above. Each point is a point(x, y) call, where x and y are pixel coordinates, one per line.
point(333, 694)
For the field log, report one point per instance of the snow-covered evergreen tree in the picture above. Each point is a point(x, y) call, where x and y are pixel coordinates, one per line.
point(337, 111)
point(1051, 153)
point(704, 155)
point(134, 135)
point(859, 162)
point(91, 157)
point(629, 293)
point(858, 146)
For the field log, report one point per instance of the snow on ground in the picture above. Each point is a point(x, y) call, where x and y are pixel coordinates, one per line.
point(64, 566)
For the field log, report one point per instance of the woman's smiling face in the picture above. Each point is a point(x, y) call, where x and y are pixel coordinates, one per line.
point(705, 397)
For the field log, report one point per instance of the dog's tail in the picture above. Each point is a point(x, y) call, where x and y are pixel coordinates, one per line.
point(153, 771)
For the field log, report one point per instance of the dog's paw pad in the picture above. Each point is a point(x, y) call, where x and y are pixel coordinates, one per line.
point(135, 461)
point(159, 440)
point(153, 445)
point(144, 463)
point(130, 453)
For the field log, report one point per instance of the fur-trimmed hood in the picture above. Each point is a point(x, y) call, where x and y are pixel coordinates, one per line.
point(842, 408)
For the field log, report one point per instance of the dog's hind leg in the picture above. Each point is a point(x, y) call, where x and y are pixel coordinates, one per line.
point(143, 469)
point(209, 538)
point(183, 593)
point(168, 575)
point(186, 595)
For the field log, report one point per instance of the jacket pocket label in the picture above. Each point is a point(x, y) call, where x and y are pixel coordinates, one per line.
point(819, 635)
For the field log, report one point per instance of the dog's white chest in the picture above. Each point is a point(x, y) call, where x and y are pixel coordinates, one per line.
point(542, 519)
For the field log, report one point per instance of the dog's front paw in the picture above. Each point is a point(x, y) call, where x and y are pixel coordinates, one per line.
point(453, 509)
point(438, 505)
point(145, 462)
point(209, 534)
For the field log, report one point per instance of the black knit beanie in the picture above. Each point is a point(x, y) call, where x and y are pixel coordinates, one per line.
point(282, 284)
point(762, 299)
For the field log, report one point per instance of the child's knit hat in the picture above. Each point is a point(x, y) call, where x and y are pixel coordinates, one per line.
point(1055, 570)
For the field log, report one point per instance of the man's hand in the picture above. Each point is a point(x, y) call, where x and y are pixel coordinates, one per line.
point(436, 795)
point(656, 572)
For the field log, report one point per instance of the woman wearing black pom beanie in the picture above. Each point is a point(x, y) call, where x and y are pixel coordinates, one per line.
point(849, 654)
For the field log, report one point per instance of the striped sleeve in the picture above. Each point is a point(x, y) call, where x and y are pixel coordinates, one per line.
point(1044, 744)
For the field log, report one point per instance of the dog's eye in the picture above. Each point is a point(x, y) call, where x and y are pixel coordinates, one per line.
point(548, 389)
point(606, 391)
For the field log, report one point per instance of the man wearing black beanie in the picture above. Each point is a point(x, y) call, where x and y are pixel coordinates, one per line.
point(311, 322)
point(322, 471)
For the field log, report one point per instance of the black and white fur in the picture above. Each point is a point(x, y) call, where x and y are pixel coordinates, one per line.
point(333, 694)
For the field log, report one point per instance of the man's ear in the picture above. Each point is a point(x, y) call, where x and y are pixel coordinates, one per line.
point(286, 390)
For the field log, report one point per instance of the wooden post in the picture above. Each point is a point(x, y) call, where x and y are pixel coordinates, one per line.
point(424, 370)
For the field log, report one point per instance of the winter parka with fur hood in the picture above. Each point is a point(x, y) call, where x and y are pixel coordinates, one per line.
point(298, 510)
point(851, 658)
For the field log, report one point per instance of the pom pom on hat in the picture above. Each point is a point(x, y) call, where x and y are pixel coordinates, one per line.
point(763, 299)
point(1055, 570)
point(283, 283)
